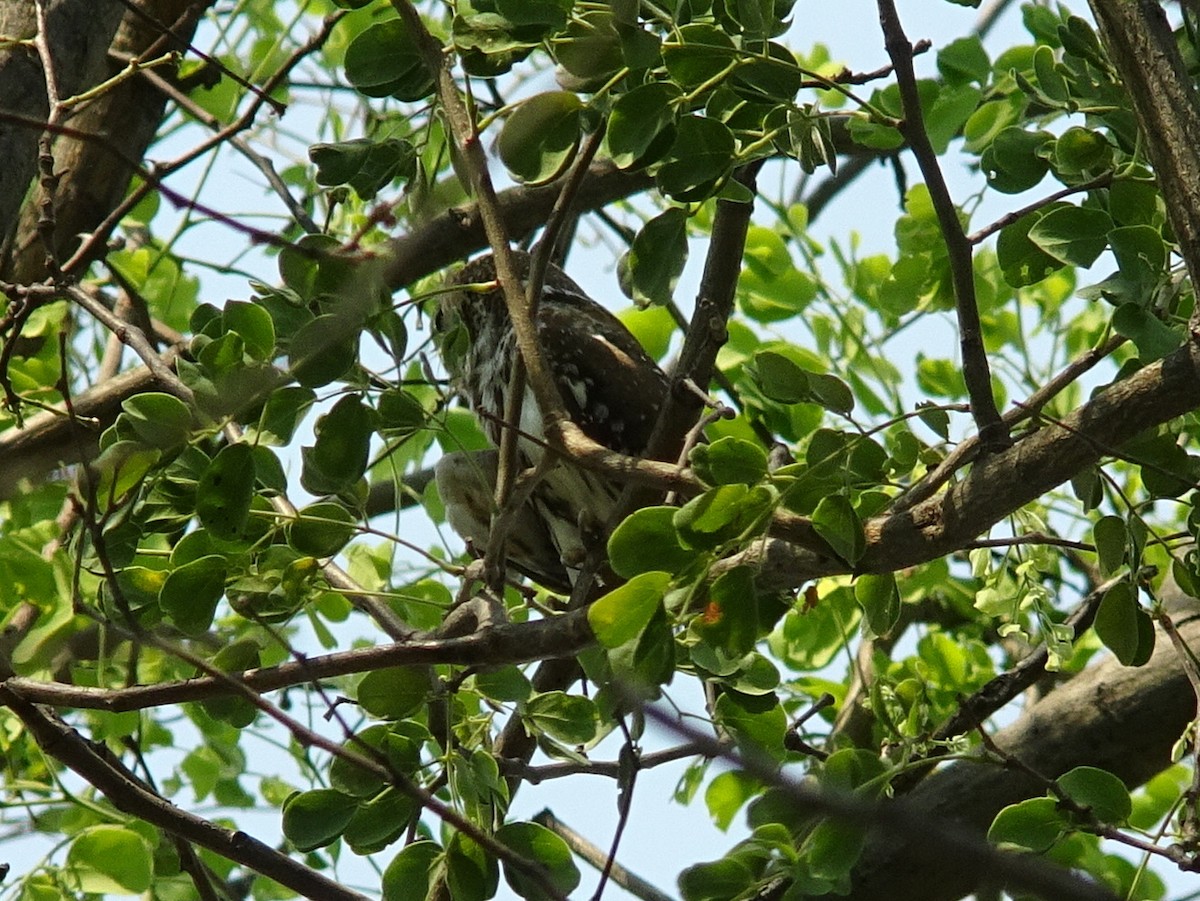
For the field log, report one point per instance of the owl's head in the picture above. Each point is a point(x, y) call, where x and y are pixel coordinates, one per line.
point(474, 297)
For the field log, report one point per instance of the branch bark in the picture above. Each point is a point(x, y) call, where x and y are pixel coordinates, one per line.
point(92, 178)
point(1143, 50)
point(79, 33)
point(1000, 483)
point(1121, 719)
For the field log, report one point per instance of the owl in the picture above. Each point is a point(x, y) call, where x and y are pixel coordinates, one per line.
point(610, 387)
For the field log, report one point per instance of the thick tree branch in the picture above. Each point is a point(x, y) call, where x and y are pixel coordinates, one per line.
point(92, 180)
point(1144, 52)
point(459, 231)
point(78, 36)
point(1121, 719)
point(902, 821)
point(128, 794)
point(1000, 483)
point(503, 644)
point(708, 330)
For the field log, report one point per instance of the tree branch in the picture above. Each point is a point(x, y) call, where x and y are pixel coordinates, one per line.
point(976, 372)
point(1000, 483)
point(506, 643)
point(128, 794)
point(1144, 52)
point(1121, 719)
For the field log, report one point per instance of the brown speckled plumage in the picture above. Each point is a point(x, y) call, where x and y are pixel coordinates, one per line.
point(609, 385)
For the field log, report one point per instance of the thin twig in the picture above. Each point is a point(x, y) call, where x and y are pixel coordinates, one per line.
point(992, 430)
point(1100, 181)
point(590, 853)
point(967, 449)
point(896, 818)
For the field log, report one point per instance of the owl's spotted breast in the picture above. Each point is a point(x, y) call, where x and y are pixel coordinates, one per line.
point(611, 388)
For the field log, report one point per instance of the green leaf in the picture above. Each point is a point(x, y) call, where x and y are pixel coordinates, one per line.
point(646, 541)
point(768, 77)
point(963, 60)
point(1111, 539)
point(651, 268)
point(729, 621)
point(1072, 235)
point(571, 719)
point(400, 412)
point(400, 752)
point(351, 779)
point(384, 60)
point(1034, 825)
point(780, 378)
point(1081, 152)
point(395, 692)
point(1100, 791)
point(504, 684)
point(1015, 161)
point(1140, 251)
point(702, 156)
point(322, 529)
point(1153, 337)
point(225, 491)
point(730, 460)
point(322, 350)
point(160, 420)
point(696, 54)
point(255, 327)
point(620, 615)
point(722, 514)
point(833, 848)
point(314, 819)
point(718, 880)
point(286, 406)
point(489, 44)
point(653, 327)
point(880, 600)
point(1021, 260)
point(339, 458)
point(111, 859)
point(552, 13)
point(538, 844)
point(951, 108)
point(836, 520)
point(379, 822)
point(1121, 624)
point(641, 126)
point(121, 466)
point(850, 769)
point(589, 50)
point(936, 418)
point(365, 165)
point(300, 267)
point(647, 661)
point(727, 794)
point(191, 592)
point(771, 288)
point(831, 393)
point(539, 140)
point(409, 875)
point(808, 637)
point(875, 135)
point(471, 873)
point(757, 723)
